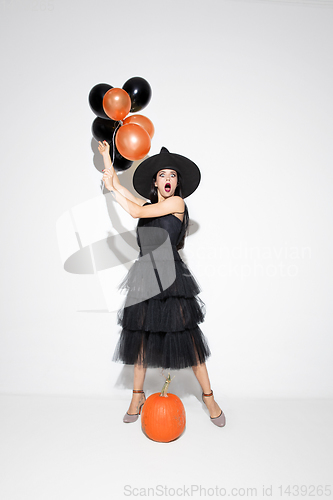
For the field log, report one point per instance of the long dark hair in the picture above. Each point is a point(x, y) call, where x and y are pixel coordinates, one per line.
point(153, 196)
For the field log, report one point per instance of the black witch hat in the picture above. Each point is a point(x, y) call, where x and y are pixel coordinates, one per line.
point(188, 170)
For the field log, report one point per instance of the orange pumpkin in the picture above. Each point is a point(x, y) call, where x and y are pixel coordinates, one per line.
point(163, 416)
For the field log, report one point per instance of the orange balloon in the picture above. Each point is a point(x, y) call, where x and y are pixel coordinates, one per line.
point(133, 141)
point(143, 121)
point(116, 104)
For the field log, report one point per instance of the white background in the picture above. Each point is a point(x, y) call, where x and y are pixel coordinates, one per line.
point(244, 89)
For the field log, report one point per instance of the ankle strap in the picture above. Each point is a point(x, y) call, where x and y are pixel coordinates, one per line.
point(210, 394)
point(135, 391)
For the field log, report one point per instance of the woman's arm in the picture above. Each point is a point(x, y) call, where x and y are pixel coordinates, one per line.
point(104, 149)
point(169, 206)
point(172, 205)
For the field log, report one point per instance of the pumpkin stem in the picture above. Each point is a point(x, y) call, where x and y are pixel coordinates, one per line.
point(166, 385)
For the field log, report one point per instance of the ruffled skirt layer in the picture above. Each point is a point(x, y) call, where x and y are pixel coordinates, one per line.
point(160, 316)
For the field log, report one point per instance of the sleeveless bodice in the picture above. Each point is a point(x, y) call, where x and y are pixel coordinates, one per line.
point(156, 232)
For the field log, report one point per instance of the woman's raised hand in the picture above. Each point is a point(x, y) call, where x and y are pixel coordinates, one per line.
point(104, 148)
point(108, 179)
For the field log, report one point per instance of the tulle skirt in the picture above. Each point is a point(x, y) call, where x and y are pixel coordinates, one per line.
point(160, 316)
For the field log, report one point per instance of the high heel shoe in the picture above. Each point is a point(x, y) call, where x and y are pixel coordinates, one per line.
point(132, 417)
point(220, 420)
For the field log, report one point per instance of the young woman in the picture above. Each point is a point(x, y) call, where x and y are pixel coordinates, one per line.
point(162, 310)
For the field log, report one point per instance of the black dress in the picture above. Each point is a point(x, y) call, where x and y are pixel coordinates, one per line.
point(162, 310)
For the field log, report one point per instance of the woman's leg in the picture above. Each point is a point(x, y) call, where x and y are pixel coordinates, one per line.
point(138, 380)
point(200, 371)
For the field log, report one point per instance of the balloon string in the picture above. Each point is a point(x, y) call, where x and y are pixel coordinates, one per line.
point(114, 142)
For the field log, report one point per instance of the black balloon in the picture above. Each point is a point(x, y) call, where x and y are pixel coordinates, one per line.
point(96, 99)
point(139, 91)
point(119, 163)
point(103, 130)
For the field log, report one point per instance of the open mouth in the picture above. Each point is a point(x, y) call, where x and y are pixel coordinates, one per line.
point(167, 187)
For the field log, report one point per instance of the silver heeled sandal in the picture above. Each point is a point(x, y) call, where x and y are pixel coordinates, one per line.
point(132, 417)
point(220, 420)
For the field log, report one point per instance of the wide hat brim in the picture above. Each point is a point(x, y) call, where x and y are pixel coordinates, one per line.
point(188, 170)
